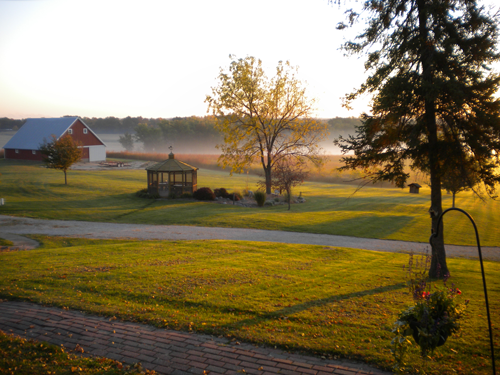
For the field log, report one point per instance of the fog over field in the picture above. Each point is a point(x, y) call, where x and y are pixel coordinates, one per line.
point(5, 135)
point(196, 147)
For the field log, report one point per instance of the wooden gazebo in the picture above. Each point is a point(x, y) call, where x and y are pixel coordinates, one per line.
point(171, 176)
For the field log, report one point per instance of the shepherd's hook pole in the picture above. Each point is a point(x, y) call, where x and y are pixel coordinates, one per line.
point(482, 272)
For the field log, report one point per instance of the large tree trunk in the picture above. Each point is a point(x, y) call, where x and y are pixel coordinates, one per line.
point(267, 172)
point(439, 267)
point(65, 178)
point(289, 196)
point(438, 261)
point(266, 165)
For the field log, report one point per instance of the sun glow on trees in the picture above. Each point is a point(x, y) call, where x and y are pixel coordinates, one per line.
point(264, 119)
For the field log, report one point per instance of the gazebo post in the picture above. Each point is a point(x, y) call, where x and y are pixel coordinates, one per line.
point(168, 184)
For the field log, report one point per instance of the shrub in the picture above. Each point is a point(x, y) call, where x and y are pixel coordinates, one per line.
point(221, 193)
point(260, 197)
point(234, 196)
point(204, 194)
point(186, 195)
point(143, 193)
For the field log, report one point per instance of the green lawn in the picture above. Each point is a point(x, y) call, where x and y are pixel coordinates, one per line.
point(21, 356)
point(4, 242)
point(326, 301)
point(386, 213)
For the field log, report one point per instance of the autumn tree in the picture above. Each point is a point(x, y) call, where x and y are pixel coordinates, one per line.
point(61, 153)
point(433, 95)
point(287, 174)
point(263, 120)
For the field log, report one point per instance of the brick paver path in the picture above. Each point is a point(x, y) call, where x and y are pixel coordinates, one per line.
point(165, 351)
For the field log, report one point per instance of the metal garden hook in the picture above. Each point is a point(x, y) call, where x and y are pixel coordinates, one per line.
point(482, 272)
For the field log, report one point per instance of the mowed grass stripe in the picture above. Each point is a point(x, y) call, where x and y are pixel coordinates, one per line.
point(323, 300)
point(109, 196)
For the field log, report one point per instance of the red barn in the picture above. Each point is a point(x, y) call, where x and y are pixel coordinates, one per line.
point(25, 144)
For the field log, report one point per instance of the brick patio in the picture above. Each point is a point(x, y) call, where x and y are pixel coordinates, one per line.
point(162, 350)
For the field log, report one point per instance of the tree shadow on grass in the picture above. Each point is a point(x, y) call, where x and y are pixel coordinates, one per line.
point(287, 311)
point(376, 202)
point(290, 310)
point(369, 226)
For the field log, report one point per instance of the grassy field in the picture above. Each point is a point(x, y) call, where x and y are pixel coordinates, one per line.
point(373, 212)
point(4, 242)
point(21, 356)
point(326, 301)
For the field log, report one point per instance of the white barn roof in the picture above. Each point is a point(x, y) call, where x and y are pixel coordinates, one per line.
point(35, 130)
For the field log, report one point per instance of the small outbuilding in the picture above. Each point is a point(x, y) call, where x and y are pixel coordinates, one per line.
point(25, 144)
point(172, 176)
point(414, 188)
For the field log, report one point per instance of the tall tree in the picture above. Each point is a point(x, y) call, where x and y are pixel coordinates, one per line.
point(433, 95)
point(261, 119)
point(61, 153)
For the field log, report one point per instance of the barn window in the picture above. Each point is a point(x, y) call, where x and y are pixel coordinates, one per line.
point(84, 130)
point(17, 151)
point(33, 152)
point(70, 131)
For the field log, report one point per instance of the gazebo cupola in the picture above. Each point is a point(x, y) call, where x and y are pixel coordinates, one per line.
point(171, 176)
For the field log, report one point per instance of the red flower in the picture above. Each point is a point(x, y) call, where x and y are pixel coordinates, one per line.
point(459, 291)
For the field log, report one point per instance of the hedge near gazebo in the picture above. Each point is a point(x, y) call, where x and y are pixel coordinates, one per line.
point(172, 176)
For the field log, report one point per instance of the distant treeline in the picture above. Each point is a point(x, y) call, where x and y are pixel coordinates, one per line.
point(179, 125)
point(343, 125)
point(117, 125)
point(189, 125)
point(187, 134)
point(8, 123)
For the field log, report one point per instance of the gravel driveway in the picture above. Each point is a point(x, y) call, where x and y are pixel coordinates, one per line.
point(11, 228)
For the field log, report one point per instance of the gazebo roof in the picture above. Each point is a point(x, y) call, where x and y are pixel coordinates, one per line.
point(171, 165)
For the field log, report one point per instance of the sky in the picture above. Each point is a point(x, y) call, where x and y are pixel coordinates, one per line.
point(161, 58)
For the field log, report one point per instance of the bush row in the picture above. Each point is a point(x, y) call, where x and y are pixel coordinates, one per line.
point(202, 194)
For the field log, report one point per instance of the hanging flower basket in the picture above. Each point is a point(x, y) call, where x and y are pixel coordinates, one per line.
point(430, 322)
point(416, 335)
